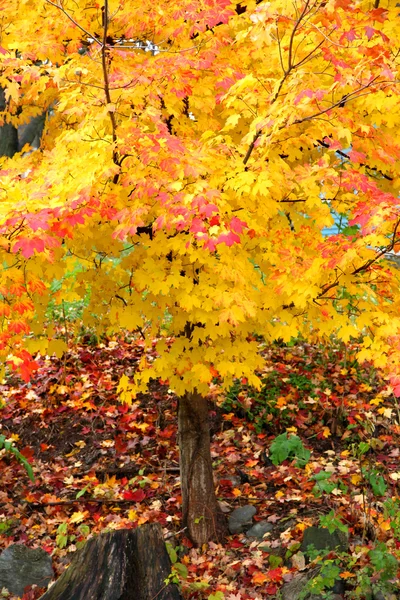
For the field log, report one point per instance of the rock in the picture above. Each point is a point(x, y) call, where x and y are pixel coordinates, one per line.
point(21, 566)
point(293, 590)
point(241, 519)
point(321, 539)
point(235, 481)
point(379, 595)
point(259, 529)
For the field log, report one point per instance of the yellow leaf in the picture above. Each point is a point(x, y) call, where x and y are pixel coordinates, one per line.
point(385, 525)
point(57, 347)
point(78, 517)
point(386, 412)
point(125, 390)
point(376, 401)
point(141, 426)
point(202, 372)
point(326, 432)
point(355, 479)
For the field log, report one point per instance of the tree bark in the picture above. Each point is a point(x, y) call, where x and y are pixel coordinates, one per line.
point(8, 133)
point(201, 514)
point(125, 564)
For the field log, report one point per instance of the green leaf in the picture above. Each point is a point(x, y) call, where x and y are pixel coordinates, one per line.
point(283, 447)
point(61, 541)
point(216, 596)
point(181, 570)
point(9, 447)
point(173, 557)
point(363, 448)
point(84, 529)
point(81, 492)
point(62, 528)
point(332, 523)
point(322, 475)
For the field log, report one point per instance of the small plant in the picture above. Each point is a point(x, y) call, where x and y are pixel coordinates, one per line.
point(391, 510)
point(284, 447)
point(378, 577)
point(63, 538)
point(324, 484)
point(333, 523)
point(323, 583)
point(7, 526)
point(62, 535)
point(10, 448)
point(375, 480)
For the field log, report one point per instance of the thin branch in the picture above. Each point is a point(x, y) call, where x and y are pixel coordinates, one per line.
point(251, 147)
point(367, 264)
point(279, 47)
point(351, 96)
point(90, 35)
point(296, 26)
point(287, 200)
point(344, 155)
point(104, 59)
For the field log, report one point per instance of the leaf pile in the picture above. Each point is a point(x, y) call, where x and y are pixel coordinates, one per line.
point(99, 464)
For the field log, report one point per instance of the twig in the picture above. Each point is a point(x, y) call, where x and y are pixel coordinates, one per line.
point(174, 534)
point(60, 7)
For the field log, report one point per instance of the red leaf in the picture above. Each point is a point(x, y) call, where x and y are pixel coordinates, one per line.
point(135, 496)
point(228, 238)
point(27, 452)
point(369, 32)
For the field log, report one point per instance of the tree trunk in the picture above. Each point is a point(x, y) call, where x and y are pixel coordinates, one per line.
point(125, 564)
point(201, 515)
point(8, 133)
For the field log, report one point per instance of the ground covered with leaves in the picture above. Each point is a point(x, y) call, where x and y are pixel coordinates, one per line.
point(99, 464)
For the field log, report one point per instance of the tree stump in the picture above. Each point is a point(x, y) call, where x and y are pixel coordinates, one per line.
point(119, 565)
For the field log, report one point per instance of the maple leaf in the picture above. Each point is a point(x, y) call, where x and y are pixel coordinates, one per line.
point(259, 578)
point(136, 496)
point(78, 517)
point(156, 160)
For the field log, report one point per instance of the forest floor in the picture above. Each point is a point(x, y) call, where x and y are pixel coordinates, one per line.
point(100, 464)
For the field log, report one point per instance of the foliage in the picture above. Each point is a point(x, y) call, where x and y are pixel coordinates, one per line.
point(67, 417)
point(202, 211)
point(63, 537)
point(259, 405)
point(284, 447)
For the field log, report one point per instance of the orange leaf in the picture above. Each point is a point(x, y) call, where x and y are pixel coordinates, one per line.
point(259, 578)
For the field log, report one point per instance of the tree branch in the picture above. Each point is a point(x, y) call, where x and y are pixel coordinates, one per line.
point(60, 7)
point(367, 264)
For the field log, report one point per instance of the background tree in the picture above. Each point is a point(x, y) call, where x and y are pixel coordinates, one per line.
point(196, 153)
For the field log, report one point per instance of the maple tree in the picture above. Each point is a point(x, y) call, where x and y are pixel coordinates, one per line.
point(194, 154)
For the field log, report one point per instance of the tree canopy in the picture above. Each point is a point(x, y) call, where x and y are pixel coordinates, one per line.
point(193, 154)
